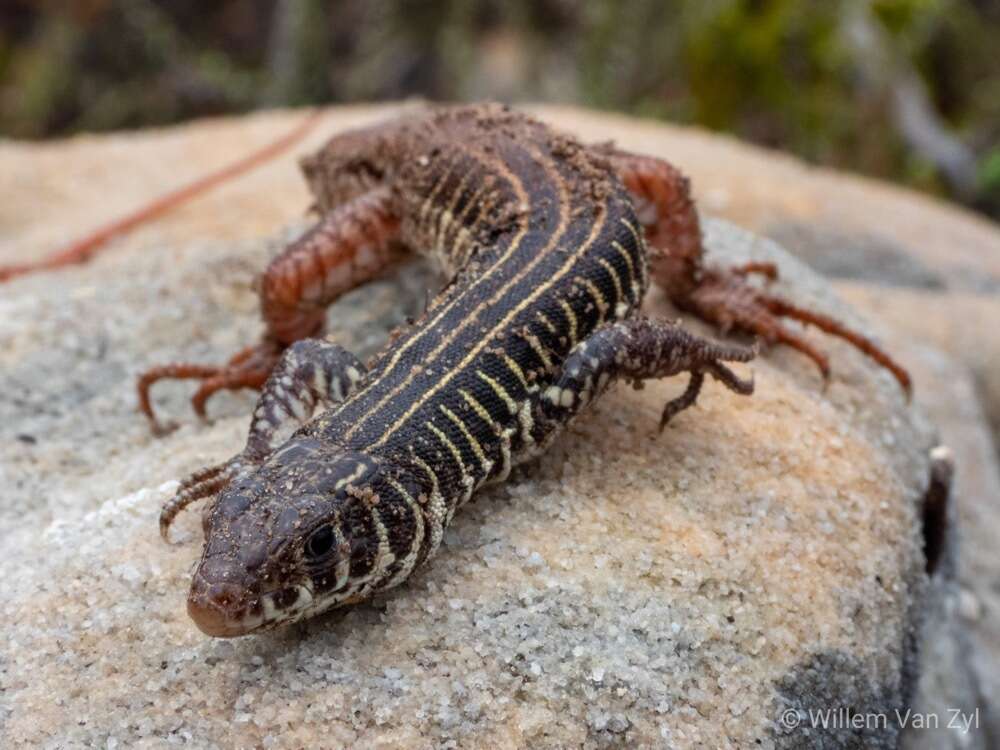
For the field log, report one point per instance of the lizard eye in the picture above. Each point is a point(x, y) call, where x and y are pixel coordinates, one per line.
point(320, 543)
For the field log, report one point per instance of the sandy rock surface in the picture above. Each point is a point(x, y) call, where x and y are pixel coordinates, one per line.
point(892, 233)
point(961, 323)
point(937, 264)
point(630, 590)
point(960, 647)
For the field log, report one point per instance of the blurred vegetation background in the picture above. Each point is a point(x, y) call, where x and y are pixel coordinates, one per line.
point(907, 90)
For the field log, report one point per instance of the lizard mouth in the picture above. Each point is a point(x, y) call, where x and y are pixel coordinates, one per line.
point(216, 622)
point(222, 610)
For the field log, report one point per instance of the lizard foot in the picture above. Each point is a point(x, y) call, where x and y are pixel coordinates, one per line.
point(723, 297)
point(311, 374)
point(638, 349)
point(249, 368)
point(204, 483)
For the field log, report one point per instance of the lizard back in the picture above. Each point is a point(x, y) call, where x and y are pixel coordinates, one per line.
point(542, 245)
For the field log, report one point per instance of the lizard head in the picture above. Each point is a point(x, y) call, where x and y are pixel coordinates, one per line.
point(313, 528)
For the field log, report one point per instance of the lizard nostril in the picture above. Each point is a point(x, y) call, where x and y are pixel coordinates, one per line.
point(285, 598)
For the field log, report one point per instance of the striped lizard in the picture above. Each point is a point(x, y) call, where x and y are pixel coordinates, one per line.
point(351, 473)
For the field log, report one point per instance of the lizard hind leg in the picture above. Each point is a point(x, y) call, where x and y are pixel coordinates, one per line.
point(782, 308)
point(661, 195)
point(724, 298)
point(311, 373)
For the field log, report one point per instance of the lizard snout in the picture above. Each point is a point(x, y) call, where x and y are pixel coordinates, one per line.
point(222, 610)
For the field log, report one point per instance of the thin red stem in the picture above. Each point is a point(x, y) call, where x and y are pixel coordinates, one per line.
point(81, 250)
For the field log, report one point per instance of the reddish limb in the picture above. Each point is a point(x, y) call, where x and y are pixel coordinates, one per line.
point(84, 248)
point(663, 203)
point(720, 296)
point(780, 307)
point(723, 298)
point(349, 246)
point(249, 368)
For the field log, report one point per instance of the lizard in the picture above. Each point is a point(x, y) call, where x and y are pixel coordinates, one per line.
point(352, 472)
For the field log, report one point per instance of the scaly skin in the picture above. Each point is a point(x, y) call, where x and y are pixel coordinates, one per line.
point(550, 246)
point(549, 266)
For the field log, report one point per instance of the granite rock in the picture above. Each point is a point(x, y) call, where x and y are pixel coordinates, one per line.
point(959, 645)
point(821, 213)
point(763, 555)
point(961, 324)
point(930, 272)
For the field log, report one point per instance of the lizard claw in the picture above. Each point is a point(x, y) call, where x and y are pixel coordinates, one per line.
point(203, 483)
point(725, 298)
point(249, 368)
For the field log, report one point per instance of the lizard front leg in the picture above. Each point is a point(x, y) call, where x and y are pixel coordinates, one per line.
point(720, 296)
point(311, 373)
point(638, 349)
point(351, 245)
